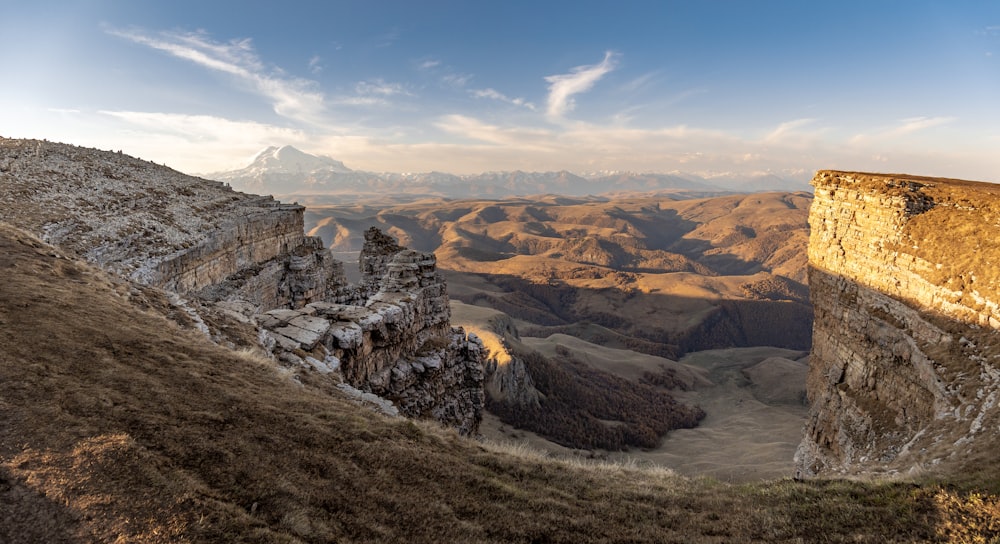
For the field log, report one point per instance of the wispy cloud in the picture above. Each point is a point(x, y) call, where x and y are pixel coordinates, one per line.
point(429, 64)
point(374, 92)
point(497, 95)
point(388, 38)
point(316, 64)
point(639, 82)
point(904, 127)
point(379, 87)
point(509, 137)
point(456, 80)
point(914, 124)
point(291, 97)
point(580, 79)
point(787, 129)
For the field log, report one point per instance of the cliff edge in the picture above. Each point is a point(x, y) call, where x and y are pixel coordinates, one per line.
point(240, 268)
point(905, 365)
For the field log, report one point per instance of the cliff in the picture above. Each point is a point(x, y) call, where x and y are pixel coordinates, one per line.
point(390, 335)
point(905, 286)
point(239, 261)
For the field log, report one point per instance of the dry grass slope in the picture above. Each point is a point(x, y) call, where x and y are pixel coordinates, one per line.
point(119, 425)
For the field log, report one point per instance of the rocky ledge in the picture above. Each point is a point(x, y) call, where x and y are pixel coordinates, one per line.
point(246, 260)
point(391, 336)
point(905, 365)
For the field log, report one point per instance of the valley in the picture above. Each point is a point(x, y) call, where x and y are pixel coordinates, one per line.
point(701, 298)
point(198, 369)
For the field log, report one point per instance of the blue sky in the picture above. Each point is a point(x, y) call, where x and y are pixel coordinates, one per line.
point(708, 87)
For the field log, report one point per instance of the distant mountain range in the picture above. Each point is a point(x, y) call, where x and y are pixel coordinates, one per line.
point(286, 171)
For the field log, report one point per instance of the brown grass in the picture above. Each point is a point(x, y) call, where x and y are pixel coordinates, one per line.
point(117, 425)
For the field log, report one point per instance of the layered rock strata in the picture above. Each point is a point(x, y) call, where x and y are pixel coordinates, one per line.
point(246, 257)
point(397, 343)
point(905, 364)
point(162, 228)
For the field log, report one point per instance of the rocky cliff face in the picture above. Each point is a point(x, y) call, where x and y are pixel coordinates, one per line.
point(390, 335)
point(162, 228)
point(507, 379)
point(242, 255)
point(905, 285)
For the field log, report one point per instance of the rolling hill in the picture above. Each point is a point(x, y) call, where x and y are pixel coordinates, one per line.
point(660, 276)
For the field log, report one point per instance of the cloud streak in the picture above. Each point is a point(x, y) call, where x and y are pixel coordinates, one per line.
point(788, 130)
point(507, 137)
point(905, 127)
point(493, 94)
point(294, 98)
point(562, 87)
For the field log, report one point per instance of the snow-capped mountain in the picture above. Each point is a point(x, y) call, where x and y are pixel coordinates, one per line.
point(289, 160)
point(288, 172)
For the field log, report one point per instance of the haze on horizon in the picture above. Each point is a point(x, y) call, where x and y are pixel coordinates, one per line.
point(783, 87)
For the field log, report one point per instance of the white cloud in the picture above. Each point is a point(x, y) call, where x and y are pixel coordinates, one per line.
point(497, 95)
point(429, 64)
point(639, 82)
point(199, 143)
point(789, 129)
point(562, 87)
point(914, 124)
point(510, 137)
point(379, 87)
point(904, 127)
point(316, 64)
point(456, 80)
point(295, 98)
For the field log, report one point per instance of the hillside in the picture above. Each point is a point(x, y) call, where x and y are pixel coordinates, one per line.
point(660, 276)
point(127, 414)
point(546, 392)
point(117, 424)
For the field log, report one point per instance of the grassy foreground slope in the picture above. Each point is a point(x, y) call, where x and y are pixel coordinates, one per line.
point(118, 425)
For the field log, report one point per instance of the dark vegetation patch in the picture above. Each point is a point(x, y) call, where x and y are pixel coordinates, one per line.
point(580, 400)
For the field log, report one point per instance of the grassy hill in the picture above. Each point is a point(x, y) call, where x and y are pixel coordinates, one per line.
point(118, 424)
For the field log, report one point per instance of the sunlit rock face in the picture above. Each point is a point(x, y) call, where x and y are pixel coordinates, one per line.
point(905, 285)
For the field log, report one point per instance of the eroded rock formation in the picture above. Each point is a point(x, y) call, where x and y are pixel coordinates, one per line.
point(246, 258)
point(905, 286)
point(391, 336)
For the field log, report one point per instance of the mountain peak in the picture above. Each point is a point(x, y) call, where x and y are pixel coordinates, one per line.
point(289, 159)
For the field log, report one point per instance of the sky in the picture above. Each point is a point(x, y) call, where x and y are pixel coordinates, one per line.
point(710, 87)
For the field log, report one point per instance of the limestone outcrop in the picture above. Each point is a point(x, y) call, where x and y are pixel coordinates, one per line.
point(905, 284)
point(396, 342)
point(162, 228)
point(246, 258)
point(507, 379)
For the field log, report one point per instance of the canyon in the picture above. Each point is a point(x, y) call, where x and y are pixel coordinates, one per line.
point(702, 299)
point(180, 362)
point(905, 286)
